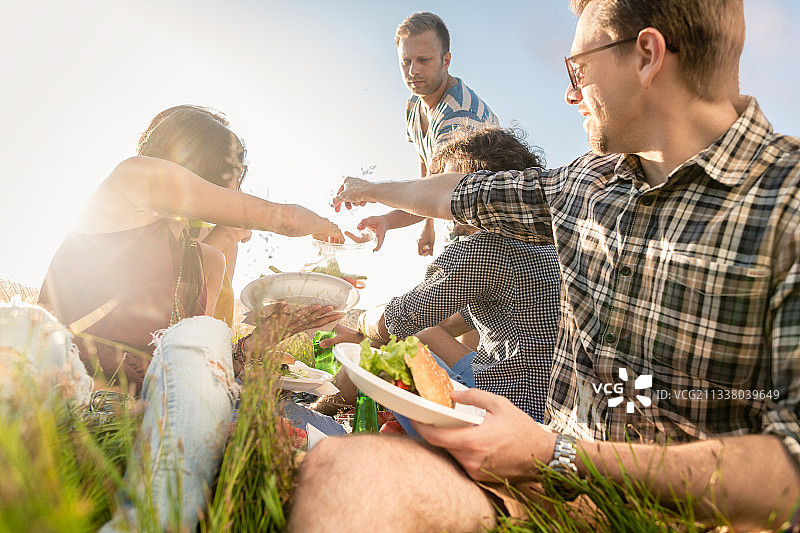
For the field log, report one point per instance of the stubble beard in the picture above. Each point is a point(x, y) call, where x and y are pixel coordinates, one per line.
point(426, 87)
point(598, 141)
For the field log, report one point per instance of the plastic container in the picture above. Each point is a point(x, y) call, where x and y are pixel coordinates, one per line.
point(350, 259)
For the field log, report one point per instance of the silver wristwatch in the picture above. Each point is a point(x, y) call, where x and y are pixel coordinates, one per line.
point(564, 463)
point(564, 455)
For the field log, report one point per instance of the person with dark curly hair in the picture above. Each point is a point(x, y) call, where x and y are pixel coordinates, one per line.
point(505, 289)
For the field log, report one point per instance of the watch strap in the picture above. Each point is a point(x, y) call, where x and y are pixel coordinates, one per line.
point(563, 462)
point(564, 454)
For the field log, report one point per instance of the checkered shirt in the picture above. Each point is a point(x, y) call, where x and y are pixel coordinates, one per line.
point(695, 282)
point(508, 291)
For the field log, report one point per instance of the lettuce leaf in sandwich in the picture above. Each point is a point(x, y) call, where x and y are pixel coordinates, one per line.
point(387, 362)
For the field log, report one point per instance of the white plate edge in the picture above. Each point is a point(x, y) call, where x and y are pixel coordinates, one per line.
point(410, 396)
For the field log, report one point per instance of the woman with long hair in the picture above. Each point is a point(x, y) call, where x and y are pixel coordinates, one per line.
point(134, 266)
point(134, 288)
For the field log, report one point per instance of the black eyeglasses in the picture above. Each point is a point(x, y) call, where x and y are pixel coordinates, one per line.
point(576, 77)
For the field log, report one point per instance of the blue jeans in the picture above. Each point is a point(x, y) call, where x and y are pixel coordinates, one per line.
point(190, 393)
point(461, 372)
point(300, 416)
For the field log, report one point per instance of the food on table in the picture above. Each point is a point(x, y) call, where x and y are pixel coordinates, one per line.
point(392, 427)
point(296, 373)
point(332, 269)
point(409, 365)
point(285, 358)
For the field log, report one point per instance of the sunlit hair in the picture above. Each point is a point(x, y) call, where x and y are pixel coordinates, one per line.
point(709, 36)
point(197, 138)
point(488, 148)
point(421, 22)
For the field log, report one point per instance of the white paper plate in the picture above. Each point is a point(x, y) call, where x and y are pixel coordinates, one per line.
point(301, 289)
point(406, 403)
point(314, 379)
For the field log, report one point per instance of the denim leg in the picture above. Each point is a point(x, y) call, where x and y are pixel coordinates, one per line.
point(190, 392)
point(300, 416)
point(461, 370)
point(37, 351)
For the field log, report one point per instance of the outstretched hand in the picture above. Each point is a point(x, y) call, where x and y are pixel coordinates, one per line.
point(284, 321)
point(426, 239)
point(379, 227)
point(351, 192)
point(343, 334)
point(504, 445)
point(331, 233)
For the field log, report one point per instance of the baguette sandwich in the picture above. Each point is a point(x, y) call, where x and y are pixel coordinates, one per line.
point(409, 365)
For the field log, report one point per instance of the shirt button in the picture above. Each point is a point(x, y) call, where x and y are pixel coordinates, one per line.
point(625, 271)
point(648, 200)
point(610, 338)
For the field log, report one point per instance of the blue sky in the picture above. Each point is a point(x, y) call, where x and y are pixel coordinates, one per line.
point(312, 86)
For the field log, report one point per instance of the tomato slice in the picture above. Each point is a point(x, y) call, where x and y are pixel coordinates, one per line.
point(399, 383)
point(357, 283)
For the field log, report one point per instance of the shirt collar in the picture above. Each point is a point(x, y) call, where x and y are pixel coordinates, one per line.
point(728, 159)
point(731, 156)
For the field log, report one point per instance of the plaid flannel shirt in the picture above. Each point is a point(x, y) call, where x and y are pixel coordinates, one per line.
point(680, 304)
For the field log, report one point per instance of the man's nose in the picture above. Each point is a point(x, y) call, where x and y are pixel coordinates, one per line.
point(573, 96)
point(414, 68)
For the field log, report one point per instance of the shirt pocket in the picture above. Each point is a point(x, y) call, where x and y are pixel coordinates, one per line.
point(710, 321)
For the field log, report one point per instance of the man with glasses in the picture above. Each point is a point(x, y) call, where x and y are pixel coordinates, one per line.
point(677, 364)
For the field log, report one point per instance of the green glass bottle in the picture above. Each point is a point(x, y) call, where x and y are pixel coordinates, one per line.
point(323, 357)
point(365, 419)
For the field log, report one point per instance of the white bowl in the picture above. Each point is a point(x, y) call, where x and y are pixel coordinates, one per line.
point(301, 289)
point(306, 380)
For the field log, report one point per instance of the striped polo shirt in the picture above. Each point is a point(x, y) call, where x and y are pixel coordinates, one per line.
point(459, 107)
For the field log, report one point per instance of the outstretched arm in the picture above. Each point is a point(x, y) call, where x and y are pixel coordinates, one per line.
point(429, 197)
point(149, 187)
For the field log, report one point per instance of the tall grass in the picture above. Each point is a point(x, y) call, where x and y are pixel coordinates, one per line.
point(9, 289)
point(60, 470)
point(257, 470)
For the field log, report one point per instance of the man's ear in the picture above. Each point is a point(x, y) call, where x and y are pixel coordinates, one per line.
point(651, 48)
point(446, 60)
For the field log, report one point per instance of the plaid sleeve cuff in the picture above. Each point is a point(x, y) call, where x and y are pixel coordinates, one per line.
point(792, 444)
point(784, 424)
point(399, 321)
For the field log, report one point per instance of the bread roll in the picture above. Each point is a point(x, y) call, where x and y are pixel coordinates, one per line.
point(431, 380)
point(284, 358)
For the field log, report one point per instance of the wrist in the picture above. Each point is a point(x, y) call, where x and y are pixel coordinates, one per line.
point(253, 344)
point(370, 328)
point(368, 191)
point(562, 470)
point(239, 356)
